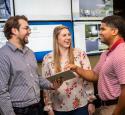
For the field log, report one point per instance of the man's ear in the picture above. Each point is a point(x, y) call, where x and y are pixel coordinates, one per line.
point(14, 31)
point(115, 31)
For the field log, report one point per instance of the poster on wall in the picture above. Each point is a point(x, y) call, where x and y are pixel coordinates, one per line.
point(91, 10)
point(6, 9)
point(86, 37)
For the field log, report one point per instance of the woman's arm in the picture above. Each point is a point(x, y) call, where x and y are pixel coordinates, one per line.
point(48, 103)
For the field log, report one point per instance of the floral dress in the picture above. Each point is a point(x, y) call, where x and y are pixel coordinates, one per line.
point(73, 93)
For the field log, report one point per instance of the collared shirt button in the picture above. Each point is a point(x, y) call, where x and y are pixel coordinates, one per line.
point(27, 64)
point(31, 75)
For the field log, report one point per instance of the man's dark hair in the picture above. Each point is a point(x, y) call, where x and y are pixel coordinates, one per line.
point(115, 21)
point(12, 22)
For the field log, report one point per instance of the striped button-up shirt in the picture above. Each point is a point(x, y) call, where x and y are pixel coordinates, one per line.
point(19, 80)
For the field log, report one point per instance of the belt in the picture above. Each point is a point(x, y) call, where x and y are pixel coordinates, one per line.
point(109, 102)
point(34, 105)
point(25, 109)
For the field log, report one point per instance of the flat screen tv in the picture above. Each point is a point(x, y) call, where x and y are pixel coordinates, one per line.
point(6, 9)
point(91, 9)
point(44, 9)
point(41, 38)
point(2, 37)
point(86, 37)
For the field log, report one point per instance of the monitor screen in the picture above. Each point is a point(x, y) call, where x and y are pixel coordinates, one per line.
point(86, 37)
point(41, 38)
point(91, 10)
point(2, 37)
point(6, 9)
point(44, 9)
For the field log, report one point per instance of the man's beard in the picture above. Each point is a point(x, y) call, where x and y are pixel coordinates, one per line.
point(24, 42)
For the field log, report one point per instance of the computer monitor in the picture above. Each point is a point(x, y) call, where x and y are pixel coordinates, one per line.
point(86, 37)
point(91, 9)
point(6, 9)
point(2, 37)
point(41, 38)
point(44, 9)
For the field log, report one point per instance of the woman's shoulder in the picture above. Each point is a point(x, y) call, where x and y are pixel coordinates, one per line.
point(78, 51)
point(48, 56)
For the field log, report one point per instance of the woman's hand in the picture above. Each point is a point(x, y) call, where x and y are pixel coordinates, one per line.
point(91, 109)
point(72, 67)
point(51, 112)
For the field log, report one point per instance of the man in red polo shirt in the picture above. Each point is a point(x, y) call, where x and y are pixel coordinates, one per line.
point(110, 70)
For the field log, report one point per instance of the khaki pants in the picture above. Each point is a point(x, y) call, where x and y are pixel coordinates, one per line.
point(106, 110)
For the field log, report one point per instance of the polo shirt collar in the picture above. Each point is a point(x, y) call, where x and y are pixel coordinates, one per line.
point(115, 45)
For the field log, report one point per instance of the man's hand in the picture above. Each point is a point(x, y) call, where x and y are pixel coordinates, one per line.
point(56, 84)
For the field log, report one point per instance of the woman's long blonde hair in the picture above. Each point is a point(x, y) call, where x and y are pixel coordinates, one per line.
point(56, 51)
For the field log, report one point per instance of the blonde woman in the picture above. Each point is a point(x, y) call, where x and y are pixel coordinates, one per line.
point(73, 95)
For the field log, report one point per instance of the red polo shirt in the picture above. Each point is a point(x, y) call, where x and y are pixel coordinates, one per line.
point(111, 71)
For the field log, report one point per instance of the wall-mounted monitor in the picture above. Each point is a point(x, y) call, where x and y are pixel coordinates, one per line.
point(41, 38)
point(44, 9)
point(86, 37)
point(91, 9)
point(2, 37)
point(6, 9)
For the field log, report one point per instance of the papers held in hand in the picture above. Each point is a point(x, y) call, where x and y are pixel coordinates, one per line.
point(63, 76)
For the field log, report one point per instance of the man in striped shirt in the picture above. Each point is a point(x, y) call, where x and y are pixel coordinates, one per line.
point(19, 80)
point(110, 70)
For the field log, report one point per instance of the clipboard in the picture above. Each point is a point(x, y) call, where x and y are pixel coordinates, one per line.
point(63, 76)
